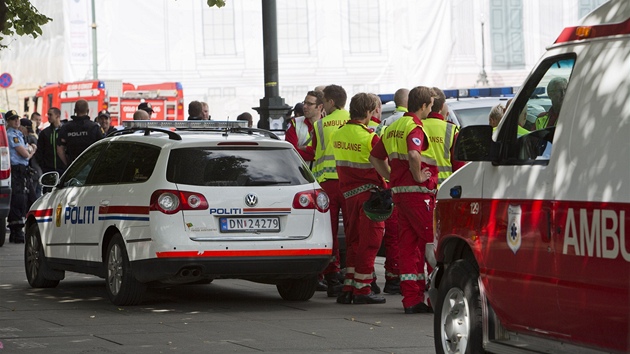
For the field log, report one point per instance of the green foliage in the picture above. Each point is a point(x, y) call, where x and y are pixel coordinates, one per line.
point(20, 17)
point(217, 3)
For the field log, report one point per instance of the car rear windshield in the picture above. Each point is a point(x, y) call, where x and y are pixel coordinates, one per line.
point(473, 116)
point(237, 167)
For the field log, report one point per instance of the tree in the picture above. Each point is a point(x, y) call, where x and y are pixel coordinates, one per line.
point(217, 3)
point(20, 17)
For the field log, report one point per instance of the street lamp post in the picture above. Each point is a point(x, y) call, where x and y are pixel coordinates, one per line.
point(94, 47)
point(272, 107)
point(483, 77)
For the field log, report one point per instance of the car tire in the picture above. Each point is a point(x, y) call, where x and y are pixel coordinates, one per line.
point(458, 316)
point(123, 288)
point(35, 260)
point(297, 289)
point(3, 230)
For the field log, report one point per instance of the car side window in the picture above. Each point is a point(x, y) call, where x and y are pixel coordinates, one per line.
point(109, 167)
point(124, 162)
point(527, 133)
point(77, 174)
point(141, 163)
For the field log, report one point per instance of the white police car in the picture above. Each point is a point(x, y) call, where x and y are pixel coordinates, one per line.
point(180, 206)
point(472, 106)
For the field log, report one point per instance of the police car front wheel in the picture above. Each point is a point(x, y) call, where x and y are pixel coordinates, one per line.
point(35, 261)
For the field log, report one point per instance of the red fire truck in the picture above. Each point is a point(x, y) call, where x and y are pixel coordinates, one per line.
point(167, 100)
point(121, 99)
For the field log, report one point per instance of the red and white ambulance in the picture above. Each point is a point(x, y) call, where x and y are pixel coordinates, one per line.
point(532, 237)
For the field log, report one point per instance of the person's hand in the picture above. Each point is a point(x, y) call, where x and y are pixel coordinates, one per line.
point(425, 174)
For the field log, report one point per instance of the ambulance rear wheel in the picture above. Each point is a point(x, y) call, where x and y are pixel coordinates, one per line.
point(458, 317)
point(122, 287)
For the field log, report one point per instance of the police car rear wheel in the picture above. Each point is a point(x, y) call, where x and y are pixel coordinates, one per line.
point(122, 287)
point(34, 260)
point(3, 230)
point(297, 289)
point(457, 320)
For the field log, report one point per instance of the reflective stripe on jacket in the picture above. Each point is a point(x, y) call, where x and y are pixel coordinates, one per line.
point(324, 166)
point(441, 137)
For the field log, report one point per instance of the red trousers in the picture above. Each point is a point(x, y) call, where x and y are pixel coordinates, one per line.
point(337, 202)
point(415, 222)
point(391, 246)
point(363, 239)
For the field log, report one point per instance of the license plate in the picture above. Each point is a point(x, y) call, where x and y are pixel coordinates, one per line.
point(270, 224)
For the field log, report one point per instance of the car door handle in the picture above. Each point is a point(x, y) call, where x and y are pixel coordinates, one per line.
point(72, 203)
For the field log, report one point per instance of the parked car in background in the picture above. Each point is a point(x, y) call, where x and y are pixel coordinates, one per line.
point(5, 180)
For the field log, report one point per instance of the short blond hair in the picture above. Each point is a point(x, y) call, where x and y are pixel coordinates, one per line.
point(496, 113)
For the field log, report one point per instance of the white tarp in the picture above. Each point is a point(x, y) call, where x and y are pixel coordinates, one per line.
point(419, 42)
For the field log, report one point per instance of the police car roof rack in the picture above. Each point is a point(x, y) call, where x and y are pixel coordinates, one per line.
point(251, 131)
point(147, 131)
point(226, 127)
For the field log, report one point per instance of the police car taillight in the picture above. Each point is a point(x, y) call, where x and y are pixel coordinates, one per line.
point(5, 164)
point(172, 201)
point(313, 199)
point(596, 31)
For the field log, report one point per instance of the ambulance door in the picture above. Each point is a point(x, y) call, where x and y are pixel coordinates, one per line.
point(592, 208)
point(70, 205)
point(517, 208)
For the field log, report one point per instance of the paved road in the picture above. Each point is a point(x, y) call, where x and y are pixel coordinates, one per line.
point(227, 316)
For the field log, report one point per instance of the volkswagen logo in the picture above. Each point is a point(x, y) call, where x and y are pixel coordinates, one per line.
point(251, 200)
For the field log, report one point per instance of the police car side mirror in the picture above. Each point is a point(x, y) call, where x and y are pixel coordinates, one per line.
point(474, 143)
point(49, 179)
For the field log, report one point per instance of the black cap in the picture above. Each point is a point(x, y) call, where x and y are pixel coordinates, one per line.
point(10, 115)
point(146, 106)
point(27, 123)
point(104, 113)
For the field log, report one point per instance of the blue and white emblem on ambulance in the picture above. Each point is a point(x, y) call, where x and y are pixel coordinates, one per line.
point(514, 227)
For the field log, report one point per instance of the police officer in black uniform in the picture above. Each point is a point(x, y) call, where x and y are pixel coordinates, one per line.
point(76, 135)
point(20, 153)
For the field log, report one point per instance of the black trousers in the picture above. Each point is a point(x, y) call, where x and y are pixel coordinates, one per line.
point(19, 195)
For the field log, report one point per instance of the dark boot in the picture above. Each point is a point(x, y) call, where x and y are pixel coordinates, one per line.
point(392, 286)
point(375, 288)
point(321, 285)
point(19, 237)
point(370, 298)
point(334, 286)
point(345, 298)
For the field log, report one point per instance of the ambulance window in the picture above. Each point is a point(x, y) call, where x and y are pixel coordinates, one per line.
point(528, 130)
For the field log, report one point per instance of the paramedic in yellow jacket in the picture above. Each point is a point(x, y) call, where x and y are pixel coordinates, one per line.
point(352, 144)
point(414, 184)
point(325, 171)
point(441, 136)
